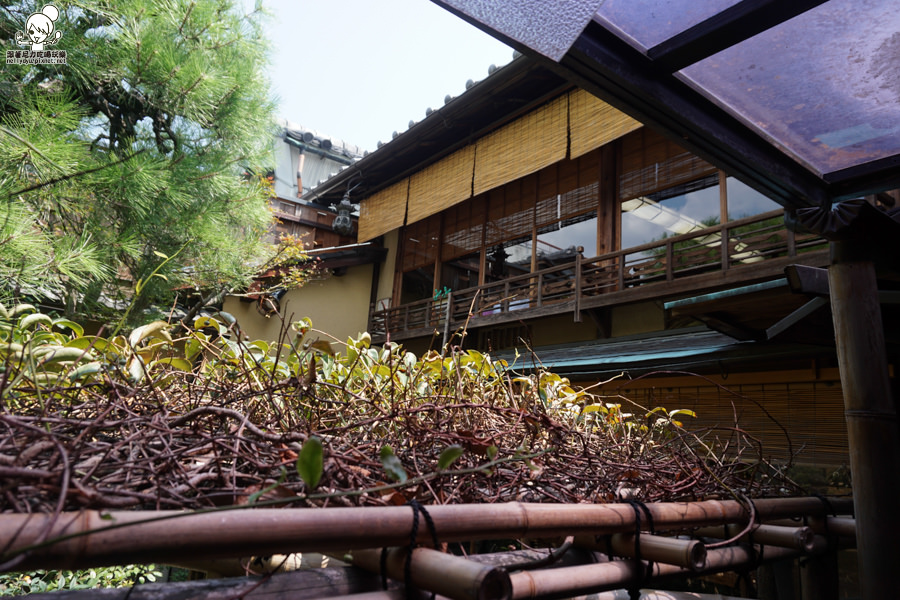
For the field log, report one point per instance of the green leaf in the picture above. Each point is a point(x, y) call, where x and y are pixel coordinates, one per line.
point(61, 354)
point(203, 322)
point(449, 456)
point(492, 452)
point(92, 368)
point(177, 363)
point(310, 462)
point(392, 465)
point(323, 346)
point(157, 329)
point(160, 254)
point(27, 321)
point(97, 343)
point(135, 369)
point(682, 411)
point(75, 327)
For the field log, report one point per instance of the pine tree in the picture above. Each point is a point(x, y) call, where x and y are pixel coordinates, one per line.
point(134, 161)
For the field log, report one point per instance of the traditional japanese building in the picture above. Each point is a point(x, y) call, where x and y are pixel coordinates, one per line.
point(553, 228)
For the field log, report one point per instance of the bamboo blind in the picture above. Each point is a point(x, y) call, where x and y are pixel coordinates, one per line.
point(811, 412)
point(420, 244)
point(522, 147)
point(568, 189)
point(383, 211)
point(593, 123)
point(442, 184)
point(651, 162)
point(463, 228)
point(511, 211)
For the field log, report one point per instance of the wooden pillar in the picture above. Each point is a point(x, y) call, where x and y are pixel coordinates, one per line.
point(871, 416)
point(608, 205)
point(723, 220)
point(819, 577)
point(723, 197)
point(608, 211)
point(775, 581)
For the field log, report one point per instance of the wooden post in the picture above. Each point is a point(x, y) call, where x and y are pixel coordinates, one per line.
point(723, 198)
point(448, 316)
point(871, 416)
point(775, 581)
point(670, 260)
point(540, 290)
point(819, 577)
point(725, 248)
point(578, 262)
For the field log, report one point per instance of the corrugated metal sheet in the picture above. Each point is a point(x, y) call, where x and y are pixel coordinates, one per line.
point(693, 348)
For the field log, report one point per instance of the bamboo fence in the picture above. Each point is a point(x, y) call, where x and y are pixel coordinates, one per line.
point(607, 553)
point(90, 538)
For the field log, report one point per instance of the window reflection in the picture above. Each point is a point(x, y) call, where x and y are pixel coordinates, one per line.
point(670, 212)
point(744, 201)
point(560, 240)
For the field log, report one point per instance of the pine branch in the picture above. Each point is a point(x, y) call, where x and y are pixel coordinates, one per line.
point(38, 186)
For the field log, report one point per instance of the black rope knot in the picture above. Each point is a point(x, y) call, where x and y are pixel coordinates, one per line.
point(634, 592)
point(413, 536)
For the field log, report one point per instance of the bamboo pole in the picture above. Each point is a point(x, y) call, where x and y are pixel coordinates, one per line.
point(870, 411)
point(569, 582)
point(355, 584)
point(798, 538)
point(90, 538)
point(610, 595)
point(839, 526)
point(444, 574)
point(690, 554)
point(842, 527)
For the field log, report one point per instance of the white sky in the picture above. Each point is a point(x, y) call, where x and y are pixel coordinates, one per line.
point(358, 70)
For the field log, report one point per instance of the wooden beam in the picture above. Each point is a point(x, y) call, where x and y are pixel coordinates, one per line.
point(804, 279)
point(619, 74)
point(717, 323)
point(795, 317)
point(724, 29)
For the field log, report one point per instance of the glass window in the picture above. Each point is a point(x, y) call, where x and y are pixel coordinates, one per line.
point(668, 213)
point(558, 242)
point(461, 272)
point(509, 259)
point(418, 284)
point(744, 201)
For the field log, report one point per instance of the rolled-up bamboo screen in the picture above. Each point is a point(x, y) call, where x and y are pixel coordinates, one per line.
point(524, 146)
point(383, 211)
point(441, 185)
point(463, 226)
point(651, 162)
point(593, 122)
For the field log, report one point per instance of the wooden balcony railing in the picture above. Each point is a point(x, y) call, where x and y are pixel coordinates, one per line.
point(569, 286)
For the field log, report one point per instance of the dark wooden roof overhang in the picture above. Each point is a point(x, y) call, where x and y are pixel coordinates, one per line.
point(646, 86)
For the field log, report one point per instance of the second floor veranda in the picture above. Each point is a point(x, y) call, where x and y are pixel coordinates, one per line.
point(735, 253)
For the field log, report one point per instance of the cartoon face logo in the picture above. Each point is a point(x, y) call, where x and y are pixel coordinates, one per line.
point(39, 29)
